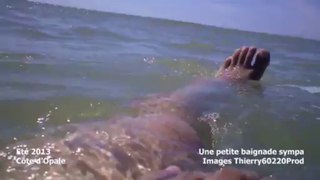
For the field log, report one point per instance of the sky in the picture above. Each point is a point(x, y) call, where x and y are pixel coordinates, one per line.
point(285, 17)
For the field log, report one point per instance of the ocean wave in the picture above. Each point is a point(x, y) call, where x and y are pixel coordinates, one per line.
point(194, 46)
point(96, 31)
point(57, 23)
point(25, 29)
point(35, 34)
point(52, 32)
point(310, 89)
point(19, 56)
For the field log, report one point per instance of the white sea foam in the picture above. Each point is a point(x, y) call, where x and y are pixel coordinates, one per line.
point(310, 89)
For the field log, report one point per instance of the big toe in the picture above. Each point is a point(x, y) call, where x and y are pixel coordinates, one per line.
point(261, 63)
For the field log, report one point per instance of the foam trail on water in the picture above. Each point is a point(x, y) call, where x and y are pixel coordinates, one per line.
point(310, 89)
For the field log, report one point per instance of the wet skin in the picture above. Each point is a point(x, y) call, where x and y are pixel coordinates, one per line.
point(163, 126)
point(238, 67)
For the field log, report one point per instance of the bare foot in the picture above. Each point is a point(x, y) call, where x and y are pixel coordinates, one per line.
point(240, 65)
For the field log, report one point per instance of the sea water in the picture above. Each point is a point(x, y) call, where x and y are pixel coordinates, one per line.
point(62, 65)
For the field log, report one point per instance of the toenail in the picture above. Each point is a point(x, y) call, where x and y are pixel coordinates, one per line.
point(264, 52)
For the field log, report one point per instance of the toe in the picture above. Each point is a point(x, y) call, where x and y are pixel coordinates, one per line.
point(227, 62)
point(243, 55)
point(263, 59)
point(260, 65)
point(248, 61)
point(235, 57)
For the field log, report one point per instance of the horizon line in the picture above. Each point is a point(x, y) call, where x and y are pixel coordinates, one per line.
point(178, 20)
